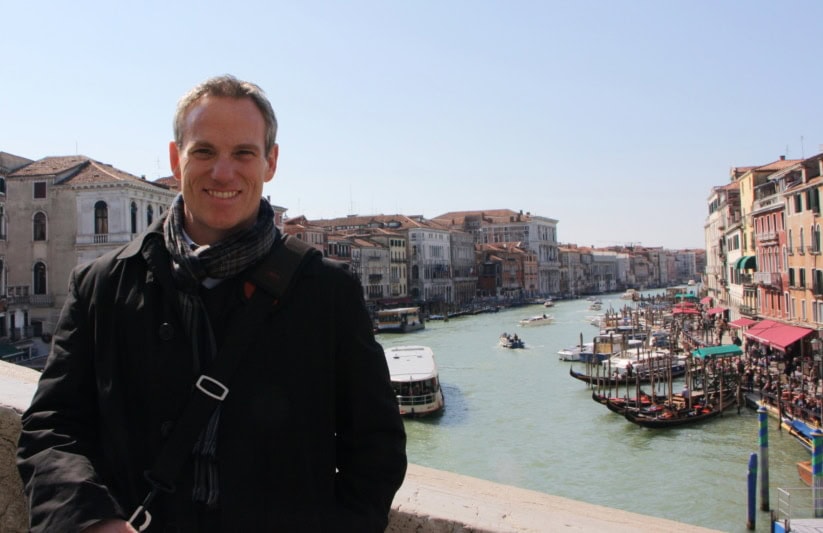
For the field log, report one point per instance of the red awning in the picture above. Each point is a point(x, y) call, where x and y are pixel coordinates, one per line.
point(742, 322)
point(715, 310)
point(685, 311)
point(706, 300)
point(775, 334)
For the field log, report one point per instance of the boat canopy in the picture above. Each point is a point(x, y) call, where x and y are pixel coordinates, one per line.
point(724, 350)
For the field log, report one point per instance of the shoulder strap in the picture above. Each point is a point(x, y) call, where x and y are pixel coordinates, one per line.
point(274, 275)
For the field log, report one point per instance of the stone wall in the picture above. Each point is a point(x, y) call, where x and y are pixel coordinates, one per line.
point(430, 501)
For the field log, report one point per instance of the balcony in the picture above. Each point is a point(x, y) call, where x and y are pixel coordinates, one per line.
point(771, 279)
point(767, 237)
point(747, 311)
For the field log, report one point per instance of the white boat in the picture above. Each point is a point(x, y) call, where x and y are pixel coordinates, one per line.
point(399, 320)
point(574, 353)
point(596, 306)
point(548, 303)
point(658, 362)
point(415, 380)
point(630, 294)
point(537, 320)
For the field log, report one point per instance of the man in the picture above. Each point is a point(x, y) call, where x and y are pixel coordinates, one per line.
point(309, 437)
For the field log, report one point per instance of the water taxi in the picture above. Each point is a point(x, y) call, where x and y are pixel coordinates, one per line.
point(537, 320)
point(415, 380)
point(399, 320)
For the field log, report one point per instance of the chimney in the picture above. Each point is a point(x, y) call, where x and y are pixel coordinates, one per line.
point(782, 157)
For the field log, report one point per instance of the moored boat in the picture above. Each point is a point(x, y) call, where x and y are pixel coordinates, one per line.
point(671, 414)
point(415, 380)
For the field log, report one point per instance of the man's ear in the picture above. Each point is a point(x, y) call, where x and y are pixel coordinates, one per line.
point(174, 159)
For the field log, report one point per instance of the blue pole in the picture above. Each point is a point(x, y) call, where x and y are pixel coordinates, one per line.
point(817, 472)
point(751, 479)
point(763, 437)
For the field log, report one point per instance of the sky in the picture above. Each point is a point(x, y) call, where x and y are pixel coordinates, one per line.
point(615, 118)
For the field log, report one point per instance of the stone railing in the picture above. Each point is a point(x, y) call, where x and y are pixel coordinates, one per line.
point(430, 501)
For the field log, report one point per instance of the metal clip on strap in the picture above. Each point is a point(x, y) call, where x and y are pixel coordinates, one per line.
point(142, 510)
point(219, 396)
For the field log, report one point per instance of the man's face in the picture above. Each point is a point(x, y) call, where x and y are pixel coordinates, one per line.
point(221, 167)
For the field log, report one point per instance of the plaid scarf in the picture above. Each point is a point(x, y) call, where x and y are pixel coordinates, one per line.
point(223, 259)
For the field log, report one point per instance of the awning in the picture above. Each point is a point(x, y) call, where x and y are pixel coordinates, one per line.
point(725, 350)
point(706, 300)
point(715, 310)
point(742, 322)
point(747, 262)
point(775, 334)
point(685, 311)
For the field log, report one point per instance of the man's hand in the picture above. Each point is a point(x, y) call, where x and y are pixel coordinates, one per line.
point(114, 525)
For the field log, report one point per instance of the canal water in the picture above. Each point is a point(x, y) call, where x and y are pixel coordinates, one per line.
point(516, 417)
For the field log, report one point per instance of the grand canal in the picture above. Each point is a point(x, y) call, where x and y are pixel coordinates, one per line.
point(517, 417)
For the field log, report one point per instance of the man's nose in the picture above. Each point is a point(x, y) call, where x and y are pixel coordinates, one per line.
point(223, 168)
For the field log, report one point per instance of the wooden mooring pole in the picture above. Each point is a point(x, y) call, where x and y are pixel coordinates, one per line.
point(763, 437)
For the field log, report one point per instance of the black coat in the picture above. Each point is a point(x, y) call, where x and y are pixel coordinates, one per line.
point(310, 438)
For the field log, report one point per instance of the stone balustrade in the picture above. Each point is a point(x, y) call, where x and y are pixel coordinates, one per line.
point(430, 501)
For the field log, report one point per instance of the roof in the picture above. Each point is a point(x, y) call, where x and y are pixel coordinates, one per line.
point(776, 334)
point(724, 350)
point(49, 166)
point(715, 310)
point(411, 363)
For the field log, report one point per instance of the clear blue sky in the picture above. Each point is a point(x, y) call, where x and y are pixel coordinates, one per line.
point(614, 117)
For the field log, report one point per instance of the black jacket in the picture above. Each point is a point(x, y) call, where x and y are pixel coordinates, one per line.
point(310, 438)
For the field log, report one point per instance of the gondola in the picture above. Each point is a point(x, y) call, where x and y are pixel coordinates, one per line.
point(619, 404)
point(663, 416)
point(641, 377)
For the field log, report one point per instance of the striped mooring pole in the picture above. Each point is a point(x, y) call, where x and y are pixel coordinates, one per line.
point(817, 472)
point(763, 437)
point(751, 482)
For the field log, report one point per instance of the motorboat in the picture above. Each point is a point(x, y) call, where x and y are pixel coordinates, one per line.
point(415, 380)
point(537, 320)
point(574, 353)
point(511, 341)
point(548, 303)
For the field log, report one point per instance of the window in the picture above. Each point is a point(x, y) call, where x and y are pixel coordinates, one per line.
point(39, 226)
point(39, 189)
point(791, 277)
point(815, 244)
point(101, 218)
point(149, 215)
point(798, 203)
point(2, 185)
point(802, 272)
point(133, 217)
point(39, 281)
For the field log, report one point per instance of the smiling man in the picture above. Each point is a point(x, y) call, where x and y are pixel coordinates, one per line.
point(303, 434)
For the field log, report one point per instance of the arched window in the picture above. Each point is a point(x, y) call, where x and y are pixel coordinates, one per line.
point(149, 215)
point(415, 272)
point(101, 218)
point(816, 238)
point(802, 245)
point(2, 185)
point(39, 226)
point(133, 217)
point(39, 280)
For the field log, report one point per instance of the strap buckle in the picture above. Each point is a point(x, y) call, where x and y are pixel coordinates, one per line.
point(223, 391)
